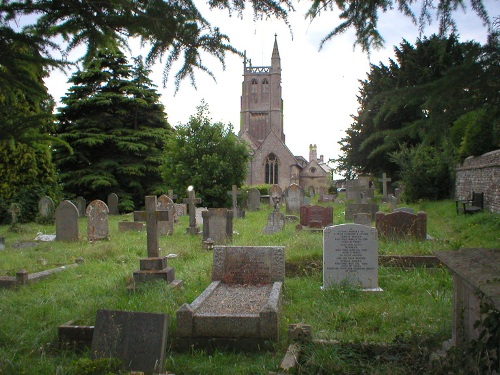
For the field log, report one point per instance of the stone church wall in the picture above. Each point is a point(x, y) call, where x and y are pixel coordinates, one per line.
point(480, 174)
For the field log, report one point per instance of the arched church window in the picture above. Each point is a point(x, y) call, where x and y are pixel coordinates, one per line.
point(265, 85)
point(271, 176)
point(254, 86)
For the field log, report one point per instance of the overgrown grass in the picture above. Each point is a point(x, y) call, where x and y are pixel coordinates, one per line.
point(414, 311)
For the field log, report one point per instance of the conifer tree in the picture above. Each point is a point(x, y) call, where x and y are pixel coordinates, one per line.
point(116, 127)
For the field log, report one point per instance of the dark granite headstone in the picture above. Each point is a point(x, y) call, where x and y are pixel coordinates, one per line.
point(97, 220)
point(66, 221)
point(138, 339)
point(113, 204)
point(316, 216)
point(218, 225)
point(81, 205)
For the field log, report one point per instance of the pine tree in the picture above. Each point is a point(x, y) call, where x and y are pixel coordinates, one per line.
point(117, 130)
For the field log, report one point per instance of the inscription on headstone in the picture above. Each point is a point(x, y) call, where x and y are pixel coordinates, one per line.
point(350, 254)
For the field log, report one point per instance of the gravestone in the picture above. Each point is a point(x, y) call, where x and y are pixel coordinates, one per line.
point(66, 221)
point(45, 208)
point(402, 225)
point(199, 215)
point(294, 198)
point(362, 218)
point(191, 200)
point(350, 255)
point(275, 195)
point(218, 225)
point(154, 266)
point(357, 208)
point(253, 199)
point(316, 216)
point(165, 204)
point(384, 181)
point(359, 190)
point(138, 339)
point(307, 200)
point(15, 212)
point(172, 196)
point(131, 226)
point(275, 222)
point(237, 212)
point(81, 205)
point(97, 220)
point(240, 309)
point(393, 202)
point(326, 198)
point(113, 204)
point(180, 209)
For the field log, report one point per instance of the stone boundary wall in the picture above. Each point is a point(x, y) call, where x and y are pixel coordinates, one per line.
point(480, 174)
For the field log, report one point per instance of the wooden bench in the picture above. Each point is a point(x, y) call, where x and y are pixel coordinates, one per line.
point(470, 206)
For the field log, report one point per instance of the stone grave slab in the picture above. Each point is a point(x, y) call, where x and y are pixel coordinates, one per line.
point(275, 222)
point(139, 339)
point(218, 225)
point(350, 255)
point(356, 208)
point(97, 220)
point(294, 198)
point(401, 225)
point(240, 309)
point(66, 221)
point(253, 200)
point(113, 204)
point(316, 216)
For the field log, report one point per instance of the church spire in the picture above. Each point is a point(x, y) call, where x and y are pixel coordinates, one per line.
point(275, 58)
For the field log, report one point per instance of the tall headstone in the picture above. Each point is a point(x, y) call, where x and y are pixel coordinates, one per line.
point(218, 225)
point(66, 221)
point(81, 205)
point(253, 199)
point(113, 204)
point(275, 195)
point(138, 339)
point(350, 255)
point(234, 201)
point(191, 200)
point(294, 198)
point(166, 204)
point(384, 180)
point(97, 220)
point(45, 208)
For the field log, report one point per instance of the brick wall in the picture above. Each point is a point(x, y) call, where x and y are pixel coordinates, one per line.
point(480, 174)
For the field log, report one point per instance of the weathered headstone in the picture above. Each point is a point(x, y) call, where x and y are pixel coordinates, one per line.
point(237, 212)
point(275, 195)
point(66, 221)
point(393, 202)
point(113, 204)
point(253, 199)
point(191, 200)
point(165, 204)
point(350, 255)
point(384, 181)
point(138, 339)
point(294, 198)
point(131, 226)
point(45, 208)
point(81, 205)
point(218, 225)
point(154, 266)
point(401, 225)
point(356, 208)
point(172, 196)
point(316, 216)
point(362, 218)
point(240, 308)
point(275, 222)
point(15, 212)
point(97, 220)
point(180, 209)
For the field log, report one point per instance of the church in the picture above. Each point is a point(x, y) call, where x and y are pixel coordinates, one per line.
point(261, 127)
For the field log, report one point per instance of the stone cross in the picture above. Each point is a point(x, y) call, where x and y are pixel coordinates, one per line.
point(192, 201)
point(171, 195)
point(384, 181)
point(234, 195)
point(152, 216)
point(14, 210)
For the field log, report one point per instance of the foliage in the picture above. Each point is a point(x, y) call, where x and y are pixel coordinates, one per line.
point(116, 127)
point(101, 366)
point(425, 172)
point(209, 157)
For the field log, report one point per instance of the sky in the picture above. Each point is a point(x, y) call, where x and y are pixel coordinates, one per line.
point(319, 88)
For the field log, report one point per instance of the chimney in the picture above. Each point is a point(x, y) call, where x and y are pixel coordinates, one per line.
point(321, 159)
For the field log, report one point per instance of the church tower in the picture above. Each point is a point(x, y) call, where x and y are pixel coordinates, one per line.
point(261, 102)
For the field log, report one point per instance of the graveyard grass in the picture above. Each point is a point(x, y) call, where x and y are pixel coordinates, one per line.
point(412, 316)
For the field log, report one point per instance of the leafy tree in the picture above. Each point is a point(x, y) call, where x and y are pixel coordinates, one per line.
point(209, 157)
point(117, 130)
